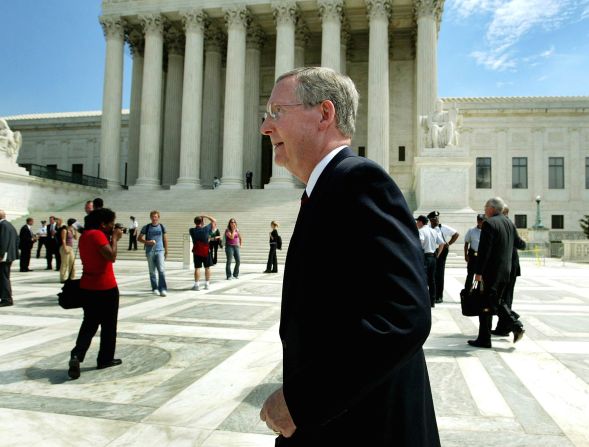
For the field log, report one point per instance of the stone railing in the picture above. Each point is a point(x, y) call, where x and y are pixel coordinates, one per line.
point(576, 251)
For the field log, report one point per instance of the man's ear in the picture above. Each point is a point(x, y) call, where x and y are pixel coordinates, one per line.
point(327, 113)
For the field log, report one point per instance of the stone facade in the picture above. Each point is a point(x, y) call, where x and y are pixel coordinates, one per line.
point(203, 71)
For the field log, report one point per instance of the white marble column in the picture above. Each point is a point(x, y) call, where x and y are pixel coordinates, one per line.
point(331, 27)
point(285, 15)
point(378, 82)
point(236, 18)
point(151, 102)
point(173, 106)
point(110, 132)
point(252, 157)
point(137, 45)
point(427, 14)
point(345, 41)
point(211, 152)
point(302, 37)
point(194, 24)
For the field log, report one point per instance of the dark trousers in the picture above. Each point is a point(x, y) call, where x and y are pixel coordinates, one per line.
point(52, 249)
point(101, 308)
point(272, 264)
point(508, 319)
point(42, 242)
point(429, 264)
point(5, 287)
point(213, 249)
point(248, 184)
point(472, 262)
point(493, 292)
point(132, 240)
point(440, 269)
point(25, 259)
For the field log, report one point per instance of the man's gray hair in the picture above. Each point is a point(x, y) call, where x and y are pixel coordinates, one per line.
point(317, 84)
point(497, 203)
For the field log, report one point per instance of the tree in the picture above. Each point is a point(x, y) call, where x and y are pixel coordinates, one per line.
point(585, 225)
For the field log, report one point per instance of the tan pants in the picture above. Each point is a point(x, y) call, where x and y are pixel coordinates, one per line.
point(68, 263)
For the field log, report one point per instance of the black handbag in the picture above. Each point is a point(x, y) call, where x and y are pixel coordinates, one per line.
point(473, 302)
point(70, 296)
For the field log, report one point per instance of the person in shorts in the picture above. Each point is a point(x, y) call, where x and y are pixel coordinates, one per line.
point(200, 249)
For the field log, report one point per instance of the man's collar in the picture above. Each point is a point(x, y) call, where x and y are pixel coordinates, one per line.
point(316, 173)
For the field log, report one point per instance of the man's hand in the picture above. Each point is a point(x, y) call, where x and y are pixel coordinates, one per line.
point(276, 415)
point(466, 258)
point(478, 278)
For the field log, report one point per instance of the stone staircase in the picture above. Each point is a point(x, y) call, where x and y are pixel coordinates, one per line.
point(253, 210)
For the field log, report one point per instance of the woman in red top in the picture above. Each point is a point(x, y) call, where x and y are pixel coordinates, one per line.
point(99, 288)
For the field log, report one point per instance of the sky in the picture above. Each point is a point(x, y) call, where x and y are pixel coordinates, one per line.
point(53, 52)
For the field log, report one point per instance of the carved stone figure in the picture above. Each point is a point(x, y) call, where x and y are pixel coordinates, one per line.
point(10, 142)
point(441, 127)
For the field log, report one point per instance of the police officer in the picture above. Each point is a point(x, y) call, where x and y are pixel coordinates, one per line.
point(471, 248)
point(432, 244)
point(449, 235)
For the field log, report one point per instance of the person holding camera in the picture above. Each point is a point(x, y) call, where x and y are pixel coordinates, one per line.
point(200, 249)
point(98, 251)
point(155, 239)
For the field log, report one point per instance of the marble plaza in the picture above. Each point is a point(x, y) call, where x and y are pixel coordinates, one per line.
point(197, 365)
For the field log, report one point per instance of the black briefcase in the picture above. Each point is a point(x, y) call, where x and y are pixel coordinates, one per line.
point(473, 301)
point(70, 296)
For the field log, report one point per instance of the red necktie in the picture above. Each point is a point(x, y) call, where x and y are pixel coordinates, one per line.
point(304, 198)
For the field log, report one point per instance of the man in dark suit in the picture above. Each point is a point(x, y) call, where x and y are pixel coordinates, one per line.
point(354, 371)
point(493, 269)
point(26, 239)
point(52, 244)
point(504, 324)
point(8, 253)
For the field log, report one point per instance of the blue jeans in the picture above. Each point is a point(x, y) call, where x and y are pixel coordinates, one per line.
point(232, 251)
point(155, 261)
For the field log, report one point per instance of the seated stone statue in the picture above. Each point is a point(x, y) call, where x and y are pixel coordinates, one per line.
point(10, 141)
point(441, 127)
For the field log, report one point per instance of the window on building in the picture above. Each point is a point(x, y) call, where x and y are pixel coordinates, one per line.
point(401, 153)
point(556, 172)
point(586, 172)
point(521, 221)
point(483, 173)
point(557, 222)
point(519, 173)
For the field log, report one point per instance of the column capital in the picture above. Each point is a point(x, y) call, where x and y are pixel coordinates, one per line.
point(378, 8)
point(302, 34)
point(112, 26)
point(255, 37)
point(175, 40)
point(214, 38)
point(152, 23)
point(331, 9)
point(237, 16)
point(433, 8)
point(135, 39)
point(194, 19)
point(284, 11)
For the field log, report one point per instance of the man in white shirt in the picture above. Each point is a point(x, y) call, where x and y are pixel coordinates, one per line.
point(133, 229)
point(432, 244)
point(449, 235)
point(471, 248)
point(41, 238)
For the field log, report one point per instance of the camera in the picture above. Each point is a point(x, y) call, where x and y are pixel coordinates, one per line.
point(120, 226)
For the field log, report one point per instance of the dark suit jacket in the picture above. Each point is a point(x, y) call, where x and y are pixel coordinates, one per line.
point(25, 238)
point(518, 244)
point(496, 250)
point(8, 241)
point(353, 328)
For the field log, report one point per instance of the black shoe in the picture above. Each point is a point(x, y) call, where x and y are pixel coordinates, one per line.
point(266, 271)
point(499, 333)
point(439, 300)
point(274, 271)
point(478, 344)
point(49, 268)
point(518, 333)
point(74, 371)
point(6, 303)
point(113, 362)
